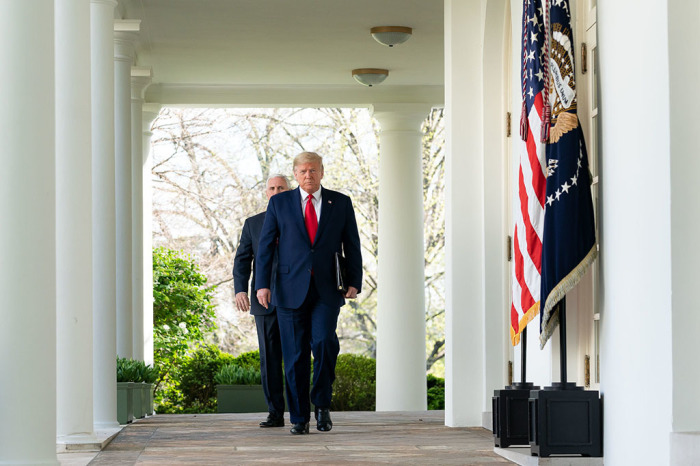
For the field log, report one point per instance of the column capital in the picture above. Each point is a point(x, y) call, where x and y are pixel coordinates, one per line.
point(401, 117)
point(141, 77)
point(125, 36)
point(124, 50)
point(127, 25)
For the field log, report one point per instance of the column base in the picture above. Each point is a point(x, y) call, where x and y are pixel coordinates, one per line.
point(86, 442)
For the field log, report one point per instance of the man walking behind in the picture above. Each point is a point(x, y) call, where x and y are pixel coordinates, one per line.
point(308, 226)
point(265, 317)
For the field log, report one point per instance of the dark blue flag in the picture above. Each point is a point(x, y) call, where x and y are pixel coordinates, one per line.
point(568, 243)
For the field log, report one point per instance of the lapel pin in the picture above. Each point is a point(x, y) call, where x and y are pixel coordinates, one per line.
point(330, 202)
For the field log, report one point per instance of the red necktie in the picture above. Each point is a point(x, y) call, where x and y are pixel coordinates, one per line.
point(310, 218)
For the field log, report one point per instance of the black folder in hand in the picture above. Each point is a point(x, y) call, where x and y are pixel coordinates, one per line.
point(340, 273)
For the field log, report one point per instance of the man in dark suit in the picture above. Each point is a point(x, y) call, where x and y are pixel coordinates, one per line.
point(307, 226)
point(265, 317)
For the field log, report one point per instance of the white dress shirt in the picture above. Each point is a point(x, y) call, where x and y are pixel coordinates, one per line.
point(316, 199)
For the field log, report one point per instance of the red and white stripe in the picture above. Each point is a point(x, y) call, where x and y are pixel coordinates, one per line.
point(529, 222)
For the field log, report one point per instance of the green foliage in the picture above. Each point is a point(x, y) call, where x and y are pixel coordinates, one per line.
point(150, 374)
point(436, 392)
point(126, 370)
point(182, 304)
point(182, 314)
point(233, 374)
point(194, 388)
point(130, 370)
point(250, 360)
point(354, 388)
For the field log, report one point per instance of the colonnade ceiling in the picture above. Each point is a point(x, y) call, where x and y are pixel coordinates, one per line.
point(286, 52)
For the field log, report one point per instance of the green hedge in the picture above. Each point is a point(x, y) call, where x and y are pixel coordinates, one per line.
point(436, 392)
point(249, 360)
point(355, 383)
point(194, 390)
point(196, 378)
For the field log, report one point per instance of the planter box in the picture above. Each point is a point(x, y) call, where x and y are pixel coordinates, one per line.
point(143, 400)
point(138, 402)
point(125, 402)
point(240, 399)
point(148, 394)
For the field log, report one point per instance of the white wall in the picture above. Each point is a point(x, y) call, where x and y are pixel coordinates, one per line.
point(635, 226)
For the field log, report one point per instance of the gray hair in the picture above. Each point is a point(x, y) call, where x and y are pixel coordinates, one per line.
point(277, 175)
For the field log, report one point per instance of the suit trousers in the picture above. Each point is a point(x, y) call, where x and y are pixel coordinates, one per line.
point(310, 328)
point(271, 362)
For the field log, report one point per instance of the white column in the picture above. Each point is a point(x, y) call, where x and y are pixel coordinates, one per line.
point(123, 58)
point(140, 78)
point(27, 234)
point(401, 369)
point(73, 221)
point(495, 162)
point(684, 35)
point(464, 215)
point(150, 112)
point(636, 223)
point(103, 215)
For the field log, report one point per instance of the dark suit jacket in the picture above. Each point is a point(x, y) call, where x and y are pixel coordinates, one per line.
point(245, 259)
point(337, 232)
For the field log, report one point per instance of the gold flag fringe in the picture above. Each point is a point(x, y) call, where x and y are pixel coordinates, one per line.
point(559, 291)
point(524, 320)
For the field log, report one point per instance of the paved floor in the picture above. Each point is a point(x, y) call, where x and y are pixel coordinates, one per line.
point(356, 438)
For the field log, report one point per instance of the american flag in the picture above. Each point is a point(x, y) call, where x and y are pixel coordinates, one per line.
point(568, 239)
point(529, 204)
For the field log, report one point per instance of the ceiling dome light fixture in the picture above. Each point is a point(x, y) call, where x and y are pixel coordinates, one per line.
point(391, 35)
point(370, 76)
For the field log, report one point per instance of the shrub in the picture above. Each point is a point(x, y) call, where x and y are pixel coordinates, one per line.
point(183, 314)
point(233, 374)
point(436, 392)
point(354, 388)
point(250, 360)
point(194, 390)
point(196, 376)
point(182, 307)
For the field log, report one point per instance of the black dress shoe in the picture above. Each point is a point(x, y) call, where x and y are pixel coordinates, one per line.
point(323, 419)
point(300, 428)
point(273, 421)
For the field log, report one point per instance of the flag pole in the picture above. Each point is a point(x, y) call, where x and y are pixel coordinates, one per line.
point(523, 357)
point(562, 341)
point(564, 384)
point(523, 384)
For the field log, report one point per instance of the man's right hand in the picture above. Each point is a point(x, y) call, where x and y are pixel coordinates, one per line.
point(264, 297)
point(242, 302)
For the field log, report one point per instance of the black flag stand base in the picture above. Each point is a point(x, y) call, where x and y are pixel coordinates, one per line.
point(510, 406)
point(564, 418)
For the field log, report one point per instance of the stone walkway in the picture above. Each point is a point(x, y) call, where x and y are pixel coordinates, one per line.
point(356, 438)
